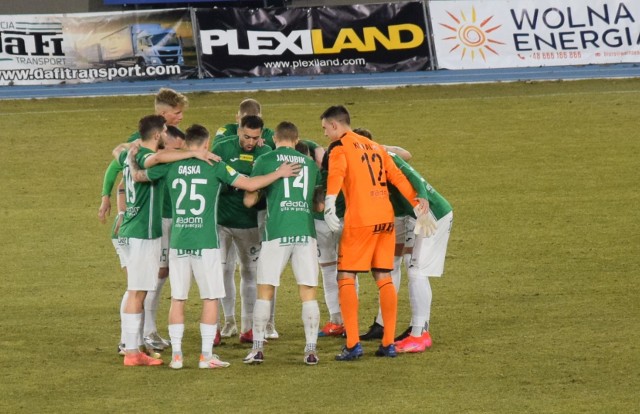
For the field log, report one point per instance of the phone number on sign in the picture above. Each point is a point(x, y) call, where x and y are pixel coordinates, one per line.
point(556, 55)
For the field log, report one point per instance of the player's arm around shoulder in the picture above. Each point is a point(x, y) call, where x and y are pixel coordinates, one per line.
point(251, 198)
point(260, 179)
point(393, 172)
point(140, 175)
point(417, 181)
point(399, 151)
point(169, 156)
point(118, 150)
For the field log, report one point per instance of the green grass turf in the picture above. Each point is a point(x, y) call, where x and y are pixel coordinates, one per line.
point(537, 312)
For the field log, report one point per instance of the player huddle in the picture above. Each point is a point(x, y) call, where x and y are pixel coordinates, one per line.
point(190, 207)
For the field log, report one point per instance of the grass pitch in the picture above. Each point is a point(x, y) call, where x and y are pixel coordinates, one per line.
point(537, 311)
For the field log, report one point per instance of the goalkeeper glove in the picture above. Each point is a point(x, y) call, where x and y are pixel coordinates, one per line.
point(330, 216)
point(426, 225)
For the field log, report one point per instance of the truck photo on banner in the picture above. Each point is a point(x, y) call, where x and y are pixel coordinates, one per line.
point(480, 34)
point(319, 40)
point(92, 47)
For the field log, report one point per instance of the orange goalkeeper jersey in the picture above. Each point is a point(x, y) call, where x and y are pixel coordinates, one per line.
point(362, 168)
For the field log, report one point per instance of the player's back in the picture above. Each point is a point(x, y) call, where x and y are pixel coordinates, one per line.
point(362, 164)
point(142, 219)
point(289, 200)
point(194, 187)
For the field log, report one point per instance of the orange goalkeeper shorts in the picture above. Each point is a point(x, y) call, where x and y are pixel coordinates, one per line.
point(365, 248)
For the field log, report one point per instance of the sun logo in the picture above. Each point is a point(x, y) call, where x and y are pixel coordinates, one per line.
point(471, 36)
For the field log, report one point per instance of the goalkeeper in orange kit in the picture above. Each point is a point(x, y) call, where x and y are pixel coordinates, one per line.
point(362, 168)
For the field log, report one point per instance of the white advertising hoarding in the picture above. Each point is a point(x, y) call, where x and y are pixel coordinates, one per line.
point(515, 33)
point(92, 47)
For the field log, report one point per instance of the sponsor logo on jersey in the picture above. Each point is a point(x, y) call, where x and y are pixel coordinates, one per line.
point(383, 228)
point(189, 222)
point(379, 193)
point(231, 171)
point(288, 205)
point(189, 252)
point(287, 240)
point(314, 41)
point(246, 157)
point(132, 211)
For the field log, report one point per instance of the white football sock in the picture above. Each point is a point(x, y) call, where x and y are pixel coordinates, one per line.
point(311, 321)
point(228, 303)
point(131, 326)
point(176, 332)
point(406, 259)
point(122, 306)
point(248, 294)
point(396, 273)
point(330, 284)
point(208, 333)
point(260, 319)
point(272, 317)
point(151, 307)
point(420, 298)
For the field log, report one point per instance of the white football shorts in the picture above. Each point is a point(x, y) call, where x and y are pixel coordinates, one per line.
point(429, 252)
point(404, 231)
point(327, 242)
point(275, 255)
point(206, 267)
point(246, 241)
point(142, 257)
point(117, 244)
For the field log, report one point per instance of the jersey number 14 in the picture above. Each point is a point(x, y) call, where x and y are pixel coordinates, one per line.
point(301, 181)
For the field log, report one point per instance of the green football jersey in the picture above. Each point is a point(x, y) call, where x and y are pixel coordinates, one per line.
point(289, 200)
point(401, 206)
point(231, 210)
point(312, 148)
point(194, 187)
point(133, 136)
point(341, 206)
point(232, 130)
point(142, 219)
point(438, 205)
point(114, 168)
